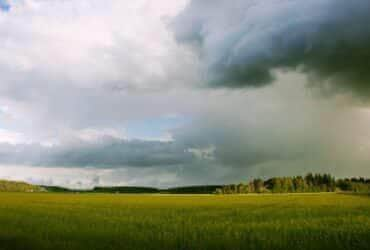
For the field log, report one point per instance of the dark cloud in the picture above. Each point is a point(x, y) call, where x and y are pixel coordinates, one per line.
point(115, 153)
point(243, 41)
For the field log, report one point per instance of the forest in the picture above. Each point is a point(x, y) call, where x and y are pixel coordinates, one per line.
point(298, 184)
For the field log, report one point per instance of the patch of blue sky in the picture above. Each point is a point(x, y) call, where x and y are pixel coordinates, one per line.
point(154, 128)
point(4, 5)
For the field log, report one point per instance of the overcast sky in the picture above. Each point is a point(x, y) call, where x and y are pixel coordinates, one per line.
point(166, 93)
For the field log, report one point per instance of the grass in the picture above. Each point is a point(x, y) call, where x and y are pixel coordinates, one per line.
point(109, 221)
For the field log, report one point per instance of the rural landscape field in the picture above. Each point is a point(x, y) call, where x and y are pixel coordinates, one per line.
point(185, 125)
point(117, 221)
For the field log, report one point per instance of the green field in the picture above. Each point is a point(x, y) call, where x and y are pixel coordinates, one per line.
point(109, 221)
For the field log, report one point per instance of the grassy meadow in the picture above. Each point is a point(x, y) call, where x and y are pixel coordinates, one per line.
point(115, 221)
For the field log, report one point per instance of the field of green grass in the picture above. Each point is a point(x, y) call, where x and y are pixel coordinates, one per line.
point(115, 221)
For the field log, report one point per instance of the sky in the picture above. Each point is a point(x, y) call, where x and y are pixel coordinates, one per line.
point(168, 93)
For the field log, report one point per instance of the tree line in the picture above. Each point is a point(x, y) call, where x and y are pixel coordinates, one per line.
point(298, 184)
point(358, 185)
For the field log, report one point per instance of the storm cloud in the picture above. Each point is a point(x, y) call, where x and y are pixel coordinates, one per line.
point(243, 42)
point(109, 154)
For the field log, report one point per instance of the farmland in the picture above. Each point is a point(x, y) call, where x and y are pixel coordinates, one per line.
point(117, 221)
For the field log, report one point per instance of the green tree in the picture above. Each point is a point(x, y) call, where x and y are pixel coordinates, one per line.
point(300, 185)
point(276, 185)
point(258, 185)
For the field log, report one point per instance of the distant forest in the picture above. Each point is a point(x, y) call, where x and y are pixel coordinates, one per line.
point(297, 184)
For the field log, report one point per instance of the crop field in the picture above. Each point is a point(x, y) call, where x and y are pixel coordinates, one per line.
point(115, 221)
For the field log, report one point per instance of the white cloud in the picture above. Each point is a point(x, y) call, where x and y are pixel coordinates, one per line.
point(76, 65)
point(11, 137)
point(114, 44)
point(204, 152)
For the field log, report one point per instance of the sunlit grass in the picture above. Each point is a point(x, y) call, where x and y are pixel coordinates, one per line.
point(103, 221)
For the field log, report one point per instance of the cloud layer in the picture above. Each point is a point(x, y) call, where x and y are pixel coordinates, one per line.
point(264, 132)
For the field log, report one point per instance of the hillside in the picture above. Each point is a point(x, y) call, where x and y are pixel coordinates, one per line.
point(17, 186)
